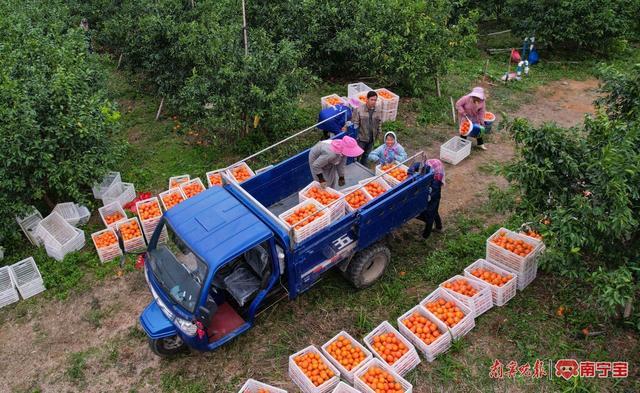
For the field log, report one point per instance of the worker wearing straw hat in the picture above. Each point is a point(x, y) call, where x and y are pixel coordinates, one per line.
point(472, 107)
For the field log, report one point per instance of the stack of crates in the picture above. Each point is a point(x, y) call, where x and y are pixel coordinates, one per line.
point(150, 214)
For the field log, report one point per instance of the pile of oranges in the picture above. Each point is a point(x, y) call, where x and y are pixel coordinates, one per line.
point(516, 246)
point(192, 189)
point(533, 234)
point(491, 277)
point(314, 368)
point(113, 218)
point(398, 173)
point(389, 347)
point(461, 286)
point(426, 330)
point(488, 116)
point(381, 381)
point(176, 182)
point(374, 189)
point(240, 173)
point(105, 239)
point(130, 230)
point(356, 199)
point(215, 179)
point(446, 311)
point(262, 390)
point(303, 216)
point(149, 210)
point(333, 101)
point(465, 127)
point(347, 354)
point(172, 199)
point(385, 95)
point(322, 196)
point(362, 98)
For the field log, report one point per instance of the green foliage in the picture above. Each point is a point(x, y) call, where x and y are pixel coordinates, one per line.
point(57, 123)
point(179, 383)
point(622, 93)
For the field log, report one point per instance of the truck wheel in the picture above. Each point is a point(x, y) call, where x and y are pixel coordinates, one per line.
point(168, 346)
point(368, 265)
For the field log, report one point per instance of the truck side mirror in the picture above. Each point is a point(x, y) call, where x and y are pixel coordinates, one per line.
point(206, 312)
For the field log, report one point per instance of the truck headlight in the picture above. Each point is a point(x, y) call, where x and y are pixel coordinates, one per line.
point(187, 327)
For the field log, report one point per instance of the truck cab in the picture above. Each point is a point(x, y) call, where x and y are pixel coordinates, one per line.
point(228, 255)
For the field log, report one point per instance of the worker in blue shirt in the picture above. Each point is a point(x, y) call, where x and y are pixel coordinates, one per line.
point(335, 125)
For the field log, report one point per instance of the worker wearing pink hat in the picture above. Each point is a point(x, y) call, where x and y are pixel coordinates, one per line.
point(328, 159)
point(472, 106)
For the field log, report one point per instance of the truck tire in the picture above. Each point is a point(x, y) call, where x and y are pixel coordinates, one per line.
point(368, 265)
point(168, 346)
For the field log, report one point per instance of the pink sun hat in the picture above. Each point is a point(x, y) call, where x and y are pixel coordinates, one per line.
point(477, 92)
point(346, 146)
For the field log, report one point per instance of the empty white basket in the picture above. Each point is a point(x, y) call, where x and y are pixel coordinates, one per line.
point(120, 192)
point(69, 211)
point(8, 291)
point(407, 362)
point(55, 230)
point(107, 181)
point(74, 244)
point(353, 89)
point(363, 387)
point(455, 150)
point(85, 214)
point(29, 224)
point(303, 382)
point(252, 386)
point(27, 278)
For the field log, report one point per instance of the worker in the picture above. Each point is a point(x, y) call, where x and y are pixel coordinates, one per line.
point(472, 106)
point(368, 119)
point(337, 123)
point(84, 25)
point(328, 159)
point(431, 215)
point(389, 151)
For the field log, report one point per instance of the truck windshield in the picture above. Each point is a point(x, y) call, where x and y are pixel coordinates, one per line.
point(180, 273)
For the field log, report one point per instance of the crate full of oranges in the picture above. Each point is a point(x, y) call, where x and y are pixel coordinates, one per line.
point(253, 386)
point(451, 311)
point(150, 213)
point(375, 186)
point(192, 187)
point(241, 172)
point(429, 334)
point(312, 372)
point(377, 377)
point(332, 100)
point(106, 243)
point(387, 344)
point(355, 197)
point(474, 294)
point(512, 249)
point(346, 354)
point(214, 178)
point(327, 197)
point(112, 214)
point(171, 198)
point(393, 173)
point(131, 235)
point(306, 219)
point(503, 283)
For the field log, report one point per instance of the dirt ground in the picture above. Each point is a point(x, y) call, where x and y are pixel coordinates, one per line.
point(36, 346)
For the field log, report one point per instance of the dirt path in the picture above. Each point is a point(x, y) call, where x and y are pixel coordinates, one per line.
point(36, 348)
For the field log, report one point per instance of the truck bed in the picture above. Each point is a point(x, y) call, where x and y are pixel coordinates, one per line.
point(354, 172)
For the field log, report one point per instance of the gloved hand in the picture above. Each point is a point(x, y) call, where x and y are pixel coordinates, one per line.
point(321, 180)
point(341, 181)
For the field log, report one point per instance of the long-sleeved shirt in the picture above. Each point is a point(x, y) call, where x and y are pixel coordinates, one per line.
point(385, 154)
point(323, 160)
point(438, 169)
point(475, 112)
point(368, 122)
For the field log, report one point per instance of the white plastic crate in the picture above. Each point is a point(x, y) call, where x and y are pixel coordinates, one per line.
point(378, 180)
point(149, 225)
point(252, 386)
point(407, 362)
point(362, 385)
point(388, 104)
point(429, 351)
point(303, 382)
point(388, 116)
point(524, 277)
point(55, 230)
point(538, 250)
point(495, 253)
point(85, 214)
point(319, 223)
point(324, 104)
point(175, 181)
point(146, 202)
point(349, 190)
point(69, 211)
point(191, 183)
point(467, 322)
point(353, 89)
point(346, 374)
point(501, 295)
point(211, 175)
point(26, 276)
point(109, 252)
point(121, 192)
point(392, 181)
point(74, 244)
point(242, 164)
point(110, 179)
point(135, 244)
point(29, 224)
point(479, 303)
point(455, 150)
point(174, 191)
point(344, 388)
point(8, 291)
point(336, 209)
point(112, 208)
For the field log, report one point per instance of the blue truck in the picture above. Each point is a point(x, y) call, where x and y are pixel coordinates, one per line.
point(229, 256)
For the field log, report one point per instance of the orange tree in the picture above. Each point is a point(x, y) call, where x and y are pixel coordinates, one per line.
point(57, 123)
point(583, 185)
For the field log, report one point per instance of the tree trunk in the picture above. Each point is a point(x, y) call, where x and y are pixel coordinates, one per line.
point(48, 201)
